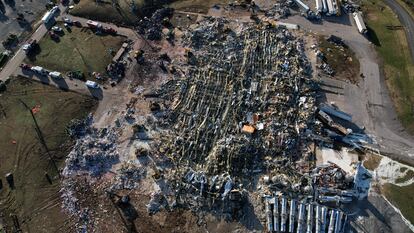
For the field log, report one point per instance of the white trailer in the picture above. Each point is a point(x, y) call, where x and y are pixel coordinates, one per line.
point(47, 17)
point(324, 6)
point(359, 21)
point(331, 7)
point(302, 5)
point(319, 6)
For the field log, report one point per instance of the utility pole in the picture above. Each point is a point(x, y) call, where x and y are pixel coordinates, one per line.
point(41, 138)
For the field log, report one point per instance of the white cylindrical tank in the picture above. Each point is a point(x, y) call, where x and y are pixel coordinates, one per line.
point(301, 217)
point(324, 6)
point(292, 215)
point(309, 223)
point(276, 214)
point(284, 215)
point(332, 221)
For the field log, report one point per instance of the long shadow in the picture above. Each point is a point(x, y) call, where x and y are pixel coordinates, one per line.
point(41, 78)
point(25, 25)
point(61, 83)
point(366, 206)
point(372, 36)
point(3, 18)
point(330, 85)
point(11, 3)
point(330, 92)
point(343, 19)
point(96, 93)
point(2, 8)
point(250, 220)
point(33, 53)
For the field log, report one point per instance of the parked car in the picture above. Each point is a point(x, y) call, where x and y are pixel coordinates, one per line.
point(25, 66)
point(67, 20)
point(57, 29)
point(29, 45)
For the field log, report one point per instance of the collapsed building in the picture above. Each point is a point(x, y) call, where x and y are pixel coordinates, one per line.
point(244, 108)
point(239, 118)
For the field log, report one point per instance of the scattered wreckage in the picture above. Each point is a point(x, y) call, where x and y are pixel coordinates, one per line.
point(241, 107)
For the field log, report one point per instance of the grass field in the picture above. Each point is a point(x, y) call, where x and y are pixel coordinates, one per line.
point(401, 197)
point(341, 59)
point(372, 161)
point(35, 201)
point(397, 63)
point(198, 6)
point(80, 49)
point(127, 12)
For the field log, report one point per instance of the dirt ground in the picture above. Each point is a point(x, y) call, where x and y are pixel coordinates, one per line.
point(34, 200)
point(342, 59)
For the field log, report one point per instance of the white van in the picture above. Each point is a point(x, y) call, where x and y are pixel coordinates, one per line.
point(91, 84)
point(55, 74)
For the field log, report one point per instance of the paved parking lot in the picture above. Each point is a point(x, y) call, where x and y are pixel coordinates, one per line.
point(9, 9)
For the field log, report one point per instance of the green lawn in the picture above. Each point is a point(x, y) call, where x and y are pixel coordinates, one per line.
point(198, 6)
point(394, 52)
point(34, 200)
point(402, 197)
point(80, 49)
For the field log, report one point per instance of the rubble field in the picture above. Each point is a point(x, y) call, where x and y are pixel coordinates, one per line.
point(222, 126)
point(232, 116)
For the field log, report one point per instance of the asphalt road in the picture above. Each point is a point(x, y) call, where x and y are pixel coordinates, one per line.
point(19, 56)
point(32, 10)
point(406, 20)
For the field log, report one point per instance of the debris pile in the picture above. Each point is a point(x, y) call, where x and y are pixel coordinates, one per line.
point(280, 10)
point(152, 27)
point(127, 177)
point(331, 176)
point(94, 152)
